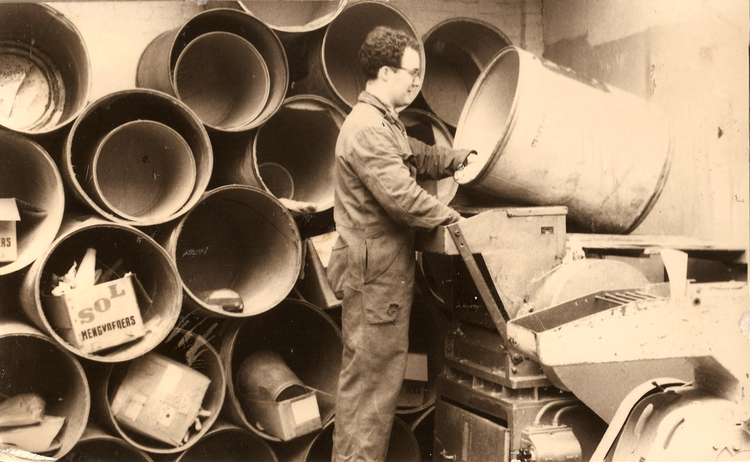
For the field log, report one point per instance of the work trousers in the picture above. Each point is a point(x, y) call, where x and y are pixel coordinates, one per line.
point(372, 371)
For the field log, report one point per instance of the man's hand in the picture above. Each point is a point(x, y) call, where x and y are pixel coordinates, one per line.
point(472, 165)
point(298, 206)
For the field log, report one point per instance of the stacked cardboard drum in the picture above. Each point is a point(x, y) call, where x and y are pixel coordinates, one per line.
point(151, 273)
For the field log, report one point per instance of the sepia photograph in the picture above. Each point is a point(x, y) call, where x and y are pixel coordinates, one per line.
point(374, 230)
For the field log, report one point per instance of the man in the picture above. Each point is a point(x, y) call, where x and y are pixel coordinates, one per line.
point(378, 207)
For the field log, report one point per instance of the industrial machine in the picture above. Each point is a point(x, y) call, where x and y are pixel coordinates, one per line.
point(563, 350)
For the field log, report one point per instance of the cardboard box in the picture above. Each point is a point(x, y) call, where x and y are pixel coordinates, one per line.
point(37, 438)
point(323, 245)
point(314, 284)
point(412, 390)
point(100, 317)
point(159, 398)
point(8, 217)
point(286, 419)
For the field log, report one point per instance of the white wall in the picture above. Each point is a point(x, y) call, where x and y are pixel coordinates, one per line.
point(611, 20)
point(519, 20)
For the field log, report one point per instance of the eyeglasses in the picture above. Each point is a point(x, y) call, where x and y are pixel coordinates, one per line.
point(412, 72)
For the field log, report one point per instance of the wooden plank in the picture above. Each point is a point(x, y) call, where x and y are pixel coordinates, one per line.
point(649, 244)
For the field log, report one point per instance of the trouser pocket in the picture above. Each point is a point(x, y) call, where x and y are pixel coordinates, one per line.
point(389, 279)
point(337, 267)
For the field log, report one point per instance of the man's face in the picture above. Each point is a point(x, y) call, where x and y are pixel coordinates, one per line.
point(406, 82)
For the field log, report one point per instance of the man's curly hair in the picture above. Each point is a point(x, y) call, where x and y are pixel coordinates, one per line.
point(384, 46)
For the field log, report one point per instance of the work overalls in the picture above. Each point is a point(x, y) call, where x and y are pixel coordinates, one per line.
point(378, 207)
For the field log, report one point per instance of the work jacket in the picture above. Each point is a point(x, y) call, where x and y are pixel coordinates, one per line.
point(378, 206)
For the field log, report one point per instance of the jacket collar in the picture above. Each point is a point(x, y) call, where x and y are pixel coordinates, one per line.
point(388, 113)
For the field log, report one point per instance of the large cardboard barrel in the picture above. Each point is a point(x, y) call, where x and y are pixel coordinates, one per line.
point(457, 50)
point(402, 447)
point(551, 136)
point(225, 64)
point(292, 154)
point(291, 18)
point(308, 341)
point(333, 70)
point(45, 69)
point(226, 442)
point(183, 347)
point(96, 444)
point(159, 163)
point(238, 238)
point(33, 363)
point(142, 170)
point(223, 78)
point(122, 249)
point(30, 176)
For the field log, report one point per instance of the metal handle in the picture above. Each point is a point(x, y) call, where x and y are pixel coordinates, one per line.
point(498, 314)
point(447, 456)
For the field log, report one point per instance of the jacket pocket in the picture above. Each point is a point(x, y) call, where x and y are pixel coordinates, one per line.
point(337, 266)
